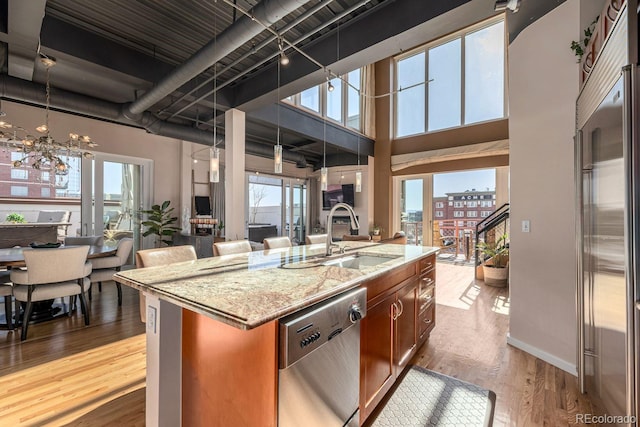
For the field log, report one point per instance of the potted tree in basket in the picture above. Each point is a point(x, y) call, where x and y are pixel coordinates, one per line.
point(495, 261)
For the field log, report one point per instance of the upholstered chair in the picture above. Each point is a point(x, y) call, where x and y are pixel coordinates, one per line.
point(161, 256)
point(50, 274)
point(312, 239)
point(231, 247)
point(105, 267)
point(276, 242)
point(6, 291)
point(399, 238)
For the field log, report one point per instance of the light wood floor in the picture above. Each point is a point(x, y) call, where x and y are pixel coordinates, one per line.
point(67, 374)
point(469, 343)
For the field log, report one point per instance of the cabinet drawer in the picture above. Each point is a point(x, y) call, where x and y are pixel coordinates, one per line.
point(427, 264)
point(390, 280)
point(425, 298)
point(427, 281)
point(426, 321)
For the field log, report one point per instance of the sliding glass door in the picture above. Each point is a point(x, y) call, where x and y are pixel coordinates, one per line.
point(276, 207)
point(114, 191)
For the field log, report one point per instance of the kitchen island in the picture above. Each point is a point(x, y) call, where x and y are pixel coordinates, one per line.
point(212, 324)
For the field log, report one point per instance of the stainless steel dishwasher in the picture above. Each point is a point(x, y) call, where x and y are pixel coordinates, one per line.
point(319, 360)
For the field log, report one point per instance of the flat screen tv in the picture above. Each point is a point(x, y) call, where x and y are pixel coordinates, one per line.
point(336, 194)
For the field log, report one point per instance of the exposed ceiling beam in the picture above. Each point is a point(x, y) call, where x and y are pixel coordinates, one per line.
point(313, 127)
point(24, 24)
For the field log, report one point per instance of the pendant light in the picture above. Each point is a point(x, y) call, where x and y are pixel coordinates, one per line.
point(277, 149)
point(214, 153)
point(324, 173)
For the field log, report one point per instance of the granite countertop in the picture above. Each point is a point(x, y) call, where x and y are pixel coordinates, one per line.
point(248, 290)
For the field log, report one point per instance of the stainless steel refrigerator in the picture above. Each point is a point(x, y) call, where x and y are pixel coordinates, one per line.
point(607, 181)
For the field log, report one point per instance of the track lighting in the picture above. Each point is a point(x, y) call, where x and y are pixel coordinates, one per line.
point(284, 59)
point(512, 5)
point(330, 87)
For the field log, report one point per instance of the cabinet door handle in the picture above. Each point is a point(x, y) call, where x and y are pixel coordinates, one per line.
point(394, 311)
point(427, 321)
point(401, 308)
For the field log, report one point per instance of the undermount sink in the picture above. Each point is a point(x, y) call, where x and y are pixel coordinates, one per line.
point(358, 261)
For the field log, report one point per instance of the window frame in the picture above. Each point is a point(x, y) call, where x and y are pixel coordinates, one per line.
point(461, 34)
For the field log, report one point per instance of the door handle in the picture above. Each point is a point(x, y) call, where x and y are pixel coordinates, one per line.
point(401, 308)
point(394, 311)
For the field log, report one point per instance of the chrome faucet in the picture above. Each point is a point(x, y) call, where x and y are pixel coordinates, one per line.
point(354, 224)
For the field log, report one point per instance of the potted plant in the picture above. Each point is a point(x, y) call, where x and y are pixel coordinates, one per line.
point(220, 228)
point(160, 223)
point(376, 230)
point(495, 261)
point(15, 218)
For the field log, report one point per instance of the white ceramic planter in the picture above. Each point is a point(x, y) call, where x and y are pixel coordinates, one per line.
point(494, 276)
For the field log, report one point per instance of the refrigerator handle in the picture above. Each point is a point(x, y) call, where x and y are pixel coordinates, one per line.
point(632, 167)
point(579, 201)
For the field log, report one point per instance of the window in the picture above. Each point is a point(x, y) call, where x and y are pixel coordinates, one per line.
point(45, 192)
point(445, 63)
point(45, 176)
point(19, 191)
point(458, 204)
point(410, 107)
point(334, 100)
point(486, 204)
point(471, 223)
point(458, 214)
point(439, 205)
point(472, 214)
point(310, 98)
point(439, 214)
point(342, 104)
point(485, 214)
point(472, 204)
point(19, 174)
point(484, 74)
point(353, 99)
point(452, 82)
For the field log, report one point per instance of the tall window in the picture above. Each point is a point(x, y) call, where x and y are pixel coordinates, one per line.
point(342, 104)
point(452, 82)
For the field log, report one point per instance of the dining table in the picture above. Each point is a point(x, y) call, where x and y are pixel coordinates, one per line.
point(13, 257)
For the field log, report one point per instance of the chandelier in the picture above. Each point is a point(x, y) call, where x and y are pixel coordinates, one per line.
point(44, 152)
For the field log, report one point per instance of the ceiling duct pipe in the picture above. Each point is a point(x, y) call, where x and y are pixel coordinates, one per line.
point(27, 92)
point(267, 12)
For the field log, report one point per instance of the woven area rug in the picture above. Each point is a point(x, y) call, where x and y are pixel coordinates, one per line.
point(427, 398)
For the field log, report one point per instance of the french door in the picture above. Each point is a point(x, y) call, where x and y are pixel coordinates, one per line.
point(114, 191)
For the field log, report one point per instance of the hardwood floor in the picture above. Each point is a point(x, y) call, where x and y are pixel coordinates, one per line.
point(469, 343)
point(67, 374)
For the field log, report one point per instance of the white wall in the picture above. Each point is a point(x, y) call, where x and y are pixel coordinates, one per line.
point(543, 87)
point(114, 139)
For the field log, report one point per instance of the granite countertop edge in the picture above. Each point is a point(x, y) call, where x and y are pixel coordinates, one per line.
point(216, 310)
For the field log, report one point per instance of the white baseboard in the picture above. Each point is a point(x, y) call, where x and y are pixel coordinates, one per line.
point(543, 355)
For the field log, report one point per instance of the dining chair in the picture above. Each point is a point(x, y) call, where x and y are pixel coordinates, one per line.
point(50, 274)
point(84, 240)
point(312, 239)
point(161, 256)
point(277, 242)
point(231, 247)
point(105, 267)
point(6, 291)
point(56, 216)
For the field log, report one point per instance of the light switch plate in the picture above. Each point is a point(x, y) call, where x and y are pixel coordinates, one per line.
point(151, 319)
point(526, 226)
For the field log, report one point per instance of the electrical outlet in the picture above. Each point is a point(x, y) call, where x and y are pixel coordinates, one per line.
point(526, 226)
point(151, 319)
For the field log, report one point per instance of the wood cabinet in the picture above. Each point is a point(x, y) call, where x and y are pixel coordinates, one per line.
point(393, 328)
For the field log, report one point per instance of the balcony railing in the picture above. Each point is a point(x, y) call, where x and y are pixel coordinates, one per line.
point(450, 235)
